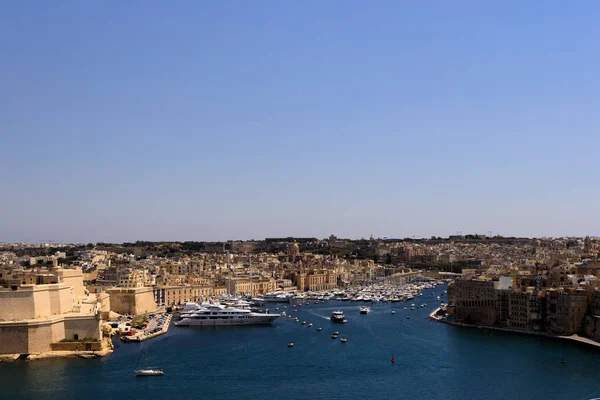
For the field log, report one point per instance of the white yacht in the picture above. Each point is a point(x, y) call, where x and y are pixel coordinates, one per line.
point(146, 371)
point(277, 298)
point(365, 310)
point(214, 314)
point(337, 316)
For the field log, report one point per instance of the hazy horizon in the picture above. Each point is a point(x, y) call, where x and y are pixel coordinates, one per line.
point(216, 121)
point(52, 242)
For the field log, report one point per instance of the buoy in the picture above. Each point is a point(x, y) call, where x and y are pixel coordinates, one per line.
point(393, 359)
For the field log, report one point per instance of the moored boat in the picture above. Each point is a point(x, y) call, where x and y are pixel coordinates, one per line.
point(214, 314)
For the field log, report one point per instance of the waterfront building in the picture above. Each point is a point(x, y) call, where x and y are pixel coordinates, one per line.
point(569, 315)
point(562, 311)
point(517, 309)
point(35, 316)
point(474, 301)
point(316, 281)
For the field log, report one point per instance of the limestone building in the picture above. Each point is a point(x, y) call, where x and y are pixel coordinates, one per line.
point(33, 316)
point(136, 300)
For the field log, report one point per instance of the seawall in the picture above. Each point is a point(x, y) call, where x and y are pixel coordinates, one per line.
point(576, 338)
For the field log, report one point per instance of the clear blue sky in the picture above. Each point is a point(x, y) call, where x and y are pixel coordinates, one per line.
point(212, 120)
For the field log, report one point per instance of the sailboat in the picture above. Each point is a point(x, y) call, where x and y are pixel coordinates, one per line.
point(147, 371)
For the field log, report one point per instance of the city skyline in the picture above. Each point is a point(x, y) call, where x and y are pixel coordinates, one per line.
point(200, 121)
point(460, 236)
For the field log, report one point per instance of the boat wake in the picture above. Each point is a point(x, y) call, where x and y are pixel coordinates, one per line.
point(318, 315)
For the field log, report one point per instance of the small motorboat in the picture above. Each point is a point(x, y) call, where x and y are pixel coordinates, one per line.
point(343, 340)
point(334, 336)
point(310, 325)
point(393, 312)
point(290, 344)
point(319, 329)
point(303, 322)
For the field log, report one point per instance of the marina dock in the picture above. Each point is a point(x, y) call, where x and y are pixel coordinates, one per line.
point(148, 333)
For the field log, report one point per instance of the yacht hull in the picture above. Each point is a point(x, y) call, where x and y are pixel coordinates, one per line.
point(256, 320)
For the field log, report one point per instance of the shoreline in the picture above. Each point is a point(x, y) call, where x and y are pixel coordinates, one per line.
point(60, 354)
point(140, 337)
point(575, 338)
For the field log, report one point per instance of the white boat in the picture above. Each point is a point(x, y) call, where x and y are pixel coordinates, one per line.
point(277, 298)
point(147, 371)
point(214, 314)
point(365, 310)
point(338, 316)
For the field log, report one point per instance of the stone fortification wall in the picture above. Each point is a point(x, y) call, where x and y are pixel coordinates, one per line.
point(16, 304)
point(83, 327)
point(27, 337)
point(72, 277)
point(132, 300)
point(77, 346)
point(39, 301)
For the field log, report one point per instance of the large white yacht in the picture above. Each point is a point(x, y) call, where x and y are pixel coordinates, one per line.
point(214, 314)
point(277, 297)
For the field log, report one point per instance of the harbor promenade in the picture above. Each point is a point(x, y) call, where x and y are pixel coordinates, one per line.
point(149, 332)
point(575, 337)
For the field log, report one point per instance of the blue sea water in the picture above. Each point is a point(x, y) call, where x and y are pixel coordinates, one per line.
point(433, 361)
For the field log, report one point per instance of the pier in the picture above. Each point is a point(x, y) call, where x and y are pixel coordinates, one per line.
point(148, 333)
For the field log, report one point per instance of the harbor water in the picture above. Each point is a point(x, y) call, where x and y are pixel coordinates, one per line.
point(432, 361)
